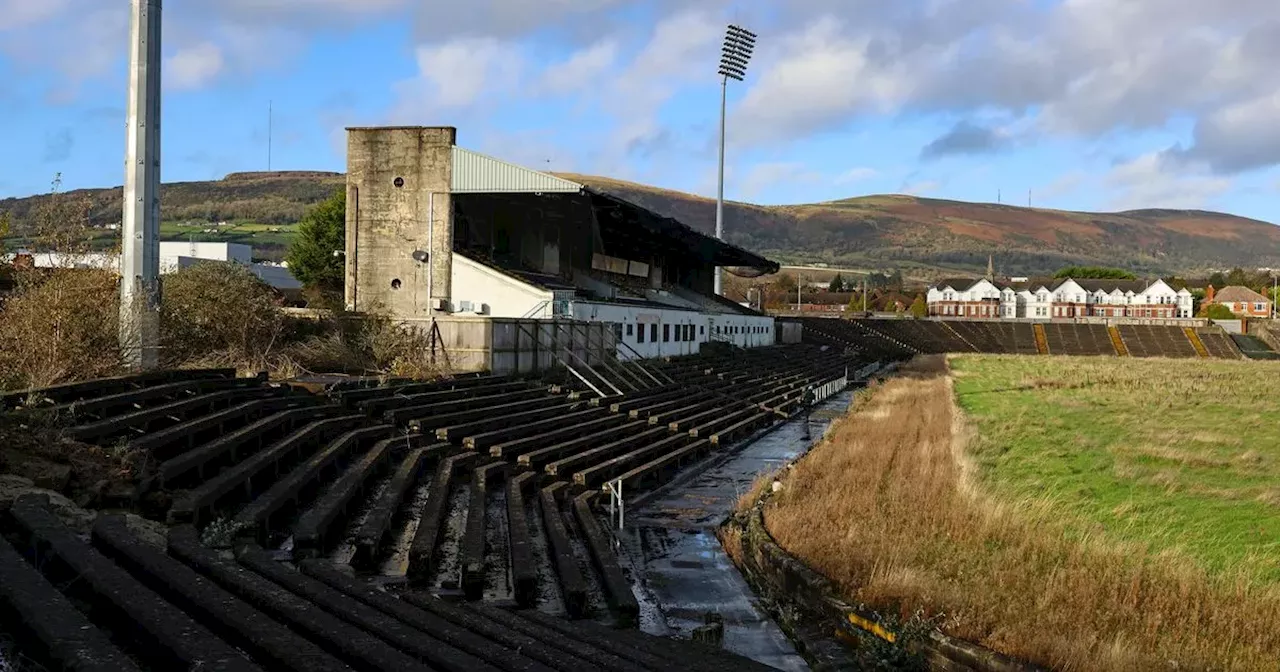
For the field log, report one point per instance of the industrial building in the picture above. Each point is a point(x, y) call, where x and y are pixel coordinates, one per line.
point(174, 255)
point(468, 243)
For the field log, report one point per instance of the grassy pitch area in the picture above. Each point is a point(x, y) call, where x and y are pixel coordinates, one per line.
point(1180, 456)
point(1076, 513)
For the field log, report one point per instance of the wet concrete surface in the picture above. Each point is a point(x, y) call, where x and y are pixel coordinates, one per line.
point(679, 570)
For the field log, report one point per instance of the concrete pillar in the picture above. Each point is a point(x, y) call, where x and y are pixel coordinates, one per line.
point(398, 202)
point(140, 223)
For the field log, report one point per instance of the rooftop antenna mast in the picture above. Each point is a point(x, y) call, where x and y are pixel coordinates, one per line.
point(739, 44)
point(140, 224)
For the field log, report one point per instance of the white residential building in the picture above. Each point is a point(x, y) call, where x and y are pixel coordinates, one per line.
point(1059, 298)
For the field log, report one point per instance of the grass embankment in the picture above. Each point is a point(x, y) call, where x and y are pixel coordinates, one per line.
point(1103, 516)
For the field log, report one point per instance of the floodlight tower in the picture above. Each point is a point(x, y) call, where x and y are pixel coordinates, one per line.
point(140, 224)
point(739, 43)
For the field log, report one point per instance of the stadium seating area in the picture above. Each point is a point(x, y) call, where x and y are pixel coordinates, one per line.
point(900, 338)
point(1218, 344)
point(1079, 339)
point(1156, 341)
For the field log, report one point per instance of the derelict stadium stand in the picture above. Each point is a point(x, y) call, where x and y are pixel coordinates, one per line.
point(442, 488)
point(903, 338)
point(1156, 341)
point(1219, 344)
point(1078, 339)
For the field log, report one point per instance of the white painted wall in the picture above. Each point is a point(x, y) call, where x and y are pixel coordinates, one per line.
point(238, 252)
point(744, 330)
point(504, 295)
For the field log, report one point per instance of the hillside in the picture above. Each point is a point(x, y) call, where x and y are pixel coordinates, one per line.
point(871, 231)
point(906, 231)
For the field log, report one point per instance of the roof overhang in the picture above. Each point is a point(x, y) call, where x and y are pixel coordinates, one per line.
point(707, 248)
point(475, 173)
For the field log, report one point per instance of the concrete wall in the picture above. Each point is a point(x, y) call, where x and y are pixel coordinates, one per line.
point(504, 295)
point(398, 183)
point(516, 346)
point(743, 330)
point(239, 252)
point(788, 332)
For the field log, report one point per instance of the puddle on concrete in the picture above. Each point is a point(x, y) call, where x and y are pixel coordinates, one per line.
point(345, 549)
point(448, 568)
point(397, 565)
point(497, 574)
point(549, 598)
point(679, 571)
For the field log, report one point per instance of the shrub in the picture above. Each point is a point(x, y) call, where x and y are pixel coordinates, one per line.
point(59, 326)
point(1216, 311)
point(219, 310)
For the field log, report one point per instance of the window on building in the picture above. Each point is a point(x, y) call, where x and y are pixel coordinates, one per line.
point(666, 333)
point(640, 334)
point(617, 331)
point(630, 329)
point(688, 332)
point(702, 330)
point(653, 332)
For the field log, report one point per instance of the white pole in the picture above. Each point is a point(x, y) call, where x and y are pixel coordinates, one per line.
point(431, 249)
point(724, 89)
point(140, 226)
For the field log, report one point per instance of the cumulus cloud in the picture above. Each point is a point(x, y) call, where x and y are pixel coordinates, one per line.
point(1082, 68)
point(1153, 180)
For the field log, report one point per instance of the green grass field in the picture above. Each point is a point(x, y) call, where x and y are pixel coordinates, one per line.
point(1180, 455)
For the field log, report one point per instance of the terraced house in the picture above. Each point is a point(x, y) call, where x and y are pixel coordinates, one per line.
point(1057, 298)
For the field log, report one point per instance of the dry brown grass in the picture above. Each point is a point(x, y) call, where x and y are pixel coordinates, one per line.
point(886, 507)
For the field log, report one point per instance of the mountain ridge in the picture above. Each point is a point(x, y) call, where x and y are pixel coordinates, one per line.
point(920, 234)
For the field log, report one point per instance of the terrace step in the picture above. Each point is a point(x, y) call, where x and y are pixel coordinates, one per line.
point(1042, 342)
point(1121, 349)
point(1196, 342)
point(169, 638)
point(358, 648)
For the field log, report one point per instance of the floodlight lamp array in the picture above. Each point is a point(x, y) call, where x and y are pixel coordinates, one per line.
point(739, 43)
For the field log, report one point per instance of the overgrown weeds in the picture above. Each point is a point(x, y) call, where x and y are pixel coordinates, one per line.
point(887, 508)
point(61, 325)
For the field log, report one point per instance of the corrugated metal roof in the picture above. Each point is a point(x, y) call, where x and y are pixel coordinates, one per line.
point(475, 173)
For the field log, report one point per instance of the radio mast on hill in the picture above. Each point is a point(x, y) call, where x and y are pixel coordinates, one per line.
point(140, 225)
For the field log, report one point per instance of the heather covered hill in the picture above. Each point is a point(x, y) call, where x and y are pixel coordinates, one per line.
point(883, 231)
point(903, 232)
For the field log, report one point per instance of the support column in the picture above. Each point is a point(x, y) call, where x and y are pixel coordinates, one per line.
point(140, 227)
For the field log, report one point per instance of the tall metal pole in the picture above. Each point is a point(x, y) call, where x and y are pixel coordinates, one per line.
point(739, 44)
point(140, 246)
point(724, 90)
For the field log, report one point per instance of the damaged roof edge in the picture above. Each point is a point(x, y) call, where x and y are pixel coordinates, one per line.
point(725, 255)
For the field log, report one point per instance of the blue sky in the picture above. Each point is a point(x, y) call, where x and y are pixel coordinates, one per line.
point(1081, 104)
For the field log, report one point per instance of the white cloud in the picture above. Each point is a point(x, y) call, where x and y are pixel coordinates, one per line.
point(455, 77)
point(194, 66)
point(581, 70)
point(920, 188)
point(854, 175)
point(1153, 181)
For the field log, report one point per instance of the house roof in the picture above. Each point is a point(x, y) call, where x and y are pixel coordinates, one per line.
point(1052, 284)
point(1237, 294)
point(1109, 286)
